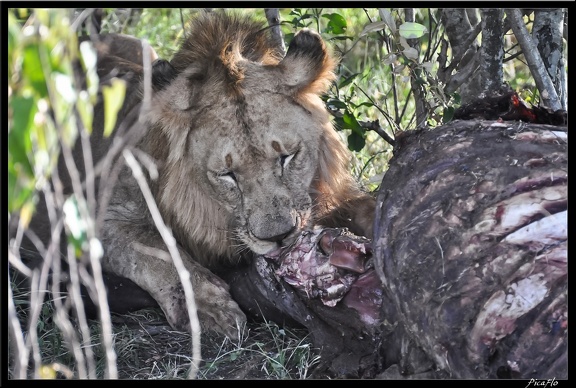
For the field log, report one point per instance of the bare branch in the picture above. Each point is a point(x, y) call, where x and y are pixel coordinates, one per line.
point(464, 59)
point(61, 315)
point(457, 26)
point(467, 45)
point(375, 126)
point(537, 68)
point(463, 75)
point(170, 242)
point(20, 350)
point(462, 37)
point(273, 17)
point(419, 95)
point(473, 16)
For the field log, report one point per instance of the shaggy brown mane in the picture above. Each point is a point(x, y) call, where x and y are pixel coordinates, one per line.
point(216, 41)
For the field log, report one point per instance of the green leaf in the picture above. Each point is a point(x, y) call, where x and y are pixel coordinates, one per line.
point(32, 68)
point(448, 114)
point(389, 58)
point(398, 69)
point(337, 24)
point(387, 18)
point(372, 27)
point(298, 21)
point(411, 30)
point(351, 123)
point(14, 36)
point(113, 99)
point(410, 53)
point(20, 188)
point(334, 103)
point(19, 143)
point(419, 81)
point(85, 110)
point(365, 103)
point(456, 97)
point(347, 80)
point(356, 142)
point(88, 56)
point(46, 309)
point(20, 169)
point(288, 38)
point(75, 225)
point(404, 43)
point(427, 66)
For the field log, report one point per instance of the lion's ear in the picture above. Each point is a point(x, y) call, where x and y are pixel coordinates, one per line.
point(307, 66)
point(162, 74)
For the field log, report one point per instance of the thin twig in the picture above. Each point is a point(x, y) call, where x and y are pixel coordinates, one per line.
point(170, 242)
point(62, 319)
point(20, 349)
point(52, 259)
point(375, 126)
point(392, 123)
point(273, 17)
point(417, 89)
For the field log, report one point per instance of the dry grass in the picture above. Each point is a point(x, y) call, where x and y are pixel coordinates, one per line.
point(147, 348)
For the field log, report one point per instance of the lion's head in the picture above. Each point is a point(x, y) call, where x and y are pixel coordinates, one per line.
point(247, 153)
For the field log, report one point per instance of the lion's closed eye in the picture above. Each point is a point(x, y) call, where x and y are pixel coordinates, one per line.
point(228, 176)
point(285, 160)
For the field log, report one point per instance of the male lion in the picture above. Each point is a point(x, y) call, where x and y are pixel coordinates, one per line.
point(247, 159)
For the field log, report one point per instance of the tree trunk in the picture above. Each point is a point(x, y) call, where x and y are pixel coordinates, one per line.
point(470, 245)
point(547, 32)
point(492, 51)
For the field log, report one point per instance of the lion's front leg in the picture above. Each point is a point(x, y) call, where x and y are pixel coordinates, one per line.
point(132, 252)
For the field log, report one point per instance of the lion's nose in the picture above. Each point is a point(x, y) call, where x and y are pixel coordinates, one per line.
point(273, 231)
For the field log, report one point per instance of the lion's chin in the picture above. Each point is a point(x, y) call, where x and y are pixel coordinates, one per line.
point(269, 248)
point(264, 247)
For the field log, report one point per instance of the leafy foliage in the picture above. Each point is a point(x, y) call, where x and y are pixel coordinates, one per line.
point(52, 87)
point(42, 102)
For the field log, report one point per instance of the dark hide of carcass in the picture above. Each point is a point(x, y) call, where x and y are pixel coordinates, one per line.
point(468, 277)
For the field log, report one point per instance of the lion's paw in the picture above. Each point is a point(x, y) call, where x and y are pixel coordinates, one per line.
point(216, 309)
point(225, 318)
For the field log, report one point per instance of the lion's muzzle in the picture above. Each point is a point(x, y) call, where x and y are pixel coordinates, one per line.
point(267, 232)
point(273, 228)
